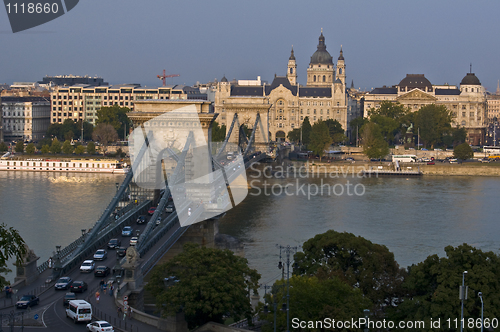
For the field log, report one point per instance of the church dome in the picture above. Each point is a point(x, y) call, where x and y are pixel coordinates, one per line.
point(470, 79)
point(321, 56)
point(224, 79)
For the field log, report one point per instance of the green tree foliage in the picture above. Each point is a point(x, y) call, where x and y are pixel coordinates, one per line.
point(218, 132)
point(91, 148)
point(67, 148)
point(42, 142)
point(463, 152)
point(80, 149)
point(433, 286)
point(56, 146)
point(66, 131)
point(306, 131)
point(374, 145)
point(392, 119)
point(3, 147)
point(69, 135)
point(213, 283)
point(54, 130)
point(88, 128)
point(294, 135)
point(19, 146)
point(115, 116)
point(356, 261)
point(336, 131)
point(30, 149)
point(11, 246)
point(104, 133)
point(314, 299)
point(320, 139)
point(457, 136)
point(45, 149)
point(433, 122)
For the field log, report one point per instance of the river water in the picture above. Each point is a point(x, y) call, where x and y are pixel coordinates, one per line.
point(413, 217)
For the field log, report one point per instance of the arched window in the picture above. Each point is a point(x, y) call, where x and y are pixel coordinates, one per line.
point(340, 71)
point(291, 70)
point(324, 78)
point(314, 78)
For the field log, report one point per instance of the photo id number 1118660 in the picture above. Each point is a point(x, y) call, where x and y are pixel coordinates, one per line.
point(32, 8)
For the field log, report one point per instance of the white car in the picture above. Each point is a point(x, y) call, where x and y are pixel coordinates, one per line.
point(134, 240)
point(100, 325)
point(87, 266)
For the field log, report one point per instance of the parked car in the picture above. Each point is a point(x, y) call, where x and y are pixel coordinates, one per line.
point(27, 301)
point(101, 271)
point(141, 219)
point(87, 266)
point(151, 210)
point(68, 297)
point(431, 163)
point(127, 231)
point(63, 283)
point(79, 286)
point(114, 243)
point(121, 252)
point(100, 255)
point(100, 326)
point(134, 240)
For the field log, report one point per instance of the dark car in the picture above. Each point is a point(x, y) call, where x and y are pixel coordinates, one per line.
point(121, 252)
point(101, 271)
point(27, 301)
point(151, 210)
point(141, 219)
point(114, 243)
point(63, 283)
point(68, 297)
point(170, 208)
point(79, 286)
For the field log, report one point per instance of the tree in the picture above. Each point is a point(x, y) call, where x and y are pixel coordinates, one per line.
point(213, 283)
point(306, 131)
point(30, 149)
point(314, 299)
point(432, 286)
point(68, 136)
point(56, 146)
point(336, 131)
point(3, 147)
point(79, 150)
point(432, 121)
point(88, 128)
point(19, 146)
point(218, 132)
point(45, 149)
point(392, 119)
point(91, 148)
point(320, 138)
point(457, 136)
point(115, 116)
point(54, 130)
point(294, 135)
point(463, 152)
point(374, 145)
point(42, 142)
point(356, 261)
point(104, 133)
point(67, 148)
point(11, 246)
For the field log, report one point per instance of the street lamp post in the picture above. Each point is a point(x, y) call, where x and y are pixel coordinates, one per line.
point(367, 313)
point(83, 235)
point(463, 296)
point(480, 294)
point(288, 249)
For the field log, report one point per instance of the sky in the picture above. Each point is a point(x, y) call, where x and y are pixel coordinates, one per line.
point(125, 41)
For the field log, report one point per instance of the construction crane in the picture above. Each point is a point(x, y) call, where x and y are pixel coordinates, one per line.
point(164, 77)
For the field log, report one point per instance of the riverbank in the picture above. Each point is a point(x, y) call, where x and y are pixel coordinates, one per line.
point(341, 168)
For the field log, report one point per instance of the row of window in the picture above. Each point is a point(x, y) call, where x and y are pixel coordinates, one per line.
point(14, 114)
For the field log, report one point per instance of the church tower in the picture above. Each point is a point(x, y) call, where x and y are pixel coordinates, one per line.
point(340, 73)
point(320, 71)
point(291, 72)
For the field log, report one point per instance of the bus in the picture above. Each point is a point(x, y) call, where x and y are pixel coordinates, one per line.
point(407, 158)
point(491, 150)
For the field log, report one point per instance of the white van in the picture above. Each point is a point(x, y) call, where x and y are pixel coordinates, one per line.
point(79, 311)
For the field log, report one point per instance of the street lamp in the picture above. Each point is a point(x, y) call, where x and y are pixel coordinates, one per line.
point(83, 235)
point(463, 295)
point(367, 313)
point(480, 294)
point(288, 249)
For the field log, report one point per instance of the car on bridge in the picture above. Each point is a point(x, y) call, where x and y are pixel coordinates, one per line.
point(134, 240)
point(27, 301)
point(100, 325)
point(151, 210)
point(68, 297)
point(79, 286)
point(127, 231)
point(101, 271)
point(114, 243)
point(121, 252)
point(170, 208)
point(87, 266)
point(141, 219)
point(100, 255)
point(63, 283)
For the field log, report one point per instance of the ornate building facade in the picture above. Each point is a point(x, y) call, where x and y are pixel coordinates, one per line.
point(467, 103)
point(287, 102)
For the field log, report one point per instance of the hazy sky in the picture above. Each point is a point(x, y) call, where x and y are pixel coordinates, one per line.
point(127, 41)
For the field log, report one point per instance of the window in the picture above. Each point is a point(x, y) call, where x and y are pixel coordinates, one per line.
point(324, 78)
point(471, 114)
point(314, 111)
point(314, 79)
point(463, 113)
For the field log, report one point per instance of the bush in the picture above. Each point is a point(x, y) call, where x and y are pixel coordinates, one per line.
point(30, 149)
point(463, 152)
point(19, 146)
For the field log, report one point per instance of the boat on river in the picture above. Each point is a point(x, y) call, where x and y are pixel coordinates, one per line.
point(65, 165)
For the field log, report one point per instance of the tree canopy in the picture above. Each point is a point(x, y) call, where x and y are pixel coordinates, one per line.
point(392, 119)
point(55, 147)
point(19, 146)
point(11, 246)
point(218, 132)
point(320, 138)
point(336, 131)
point(91, 148)
point(115, 116)
point(433, 122)
point(105, 133)
point(374, 145)
point(67, 148)
point(294, 135)
point(30, 149)
point(69, 130)
point(212, 284)
point(306, 131)
point(463, 152)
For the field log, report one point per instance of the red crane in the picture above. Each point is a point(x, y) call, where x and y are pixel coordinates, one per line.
point(164, 77)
